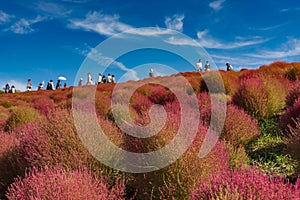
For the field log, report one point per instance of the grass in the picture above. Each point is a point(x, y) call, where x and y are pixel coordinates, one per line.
point(268, 151)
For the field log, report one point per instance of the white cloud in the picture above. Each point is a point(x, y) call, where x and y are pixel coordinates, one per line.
point(102, 60)
point(109, 25)
point(52, 9)
point(268, 28)
point(290, 9)
point(149, 31)
point(181, 41)
point(4, 17)
point(103, 24)
point(209, 42)
point(175, 22)
point(24, 26)
point(216, 5)
point(289, 49)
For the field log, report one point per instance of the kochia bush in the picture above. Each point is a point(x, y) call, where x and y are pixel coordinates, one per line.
point(246, 184)
point(21, 116)
point(11, 163)
point(293, 94)
point(261, 97)
point(64, 184)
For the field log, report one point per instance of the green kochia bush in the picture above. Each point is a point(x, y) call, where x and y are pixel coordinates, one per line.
point(261, 97)
point(64, 184)
point(21, 116)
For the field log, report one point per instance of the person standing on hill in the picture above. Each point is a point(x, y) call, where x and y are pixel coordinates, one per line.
point(57, 84)
point(199, 65)
point(7, 88)
point(103, 79)
point(109, 78)
point(89, 80)
point(99, 78)
point(13, 89)
point(80, 82)
point(29, 85)
point(113, 79)
point(50, 85)
point(207, 66)
point(151, 73)
point(229, 67)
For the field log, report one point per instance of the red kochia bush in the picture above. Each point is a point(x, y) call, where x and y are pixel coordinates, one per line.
point(293, 94)
point(246, 184)
point(287, 119)
point(62, 184)
point(11, 164)
point(260, 96)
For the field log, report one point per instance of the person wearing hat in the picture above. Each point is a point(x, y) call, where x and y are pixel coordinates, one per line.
point(80, 82)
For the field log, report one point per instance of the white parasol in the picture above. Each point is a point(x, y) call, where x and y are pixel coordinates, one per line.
point(62, 78)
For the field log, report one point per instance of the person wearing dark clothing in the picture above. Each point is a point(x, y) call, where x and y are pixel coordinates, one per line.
point(57, 84)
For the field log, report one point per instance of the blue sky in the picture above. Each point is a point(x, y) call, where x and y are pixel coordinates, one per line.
point(42, 40)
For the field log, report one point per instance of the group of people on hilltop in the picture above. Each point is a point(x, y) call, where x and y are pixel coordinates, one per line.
point(102, 79)
point(50, 85)
point(8, 89)
point(207, 66)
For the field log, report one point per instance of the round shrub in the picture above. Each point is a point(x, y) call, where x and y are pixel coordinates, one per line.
point(246, 184)
point(64, 184)
point(292, 142)
point(21, 116)
point(261, 97)
point(11, 163)
point(288, 118)
point(239, 128)
point(176, 180)
point(55, 142)
point(293, 94)
point(293, 73)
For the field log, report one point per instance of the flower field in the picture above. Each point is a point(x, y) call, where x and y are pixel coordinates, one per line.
point(256, 156)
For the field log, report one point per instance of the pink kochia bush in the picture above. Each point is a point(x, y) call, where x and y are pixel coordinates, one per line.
point(64, 184)
point(11, 164)
point(288, 118)
point(246, 184)
point(293, 94)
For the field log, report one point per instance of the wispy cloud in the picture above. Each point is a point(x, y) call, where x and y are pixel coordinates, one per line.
point(149, 31)
point(175, 22)
point(109, 25)
point(4, 17)
point(207, 41)
point(217, 5)
point(290, 9)
point(24, 26)
point(103, 60)
point(267, 28)
point(239, 62)
point(103, 24)
point(53, 9)
point(181, 41)
point(289, 49)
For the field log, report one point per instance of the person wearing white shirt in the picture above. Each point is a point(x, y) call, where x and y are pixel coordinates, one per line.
point(199, 65)
point(99, 78)
point(109, 78)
